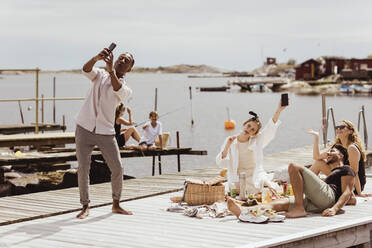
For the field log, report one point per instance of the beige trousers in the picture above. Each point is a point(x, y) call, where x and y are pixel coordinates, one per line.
point(85, 142)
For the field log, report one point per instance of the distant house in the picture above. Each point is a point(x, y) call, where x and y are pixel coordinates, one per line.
point(270, 61)
point(357, 69)
point(333, 65)
point(308, 70)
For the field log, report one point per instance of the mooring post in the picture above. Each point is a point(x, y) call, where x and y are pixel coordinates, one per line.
point(37, 101)
point(54, 99)
point(159, 160)
point(20, 111)
point(156, 99)
point(178, 153)
point(324, 121)
point(64, 123)
point(42, 108)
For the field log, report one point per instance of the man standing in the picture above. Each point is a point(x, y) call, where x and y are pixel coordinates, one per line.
point(95, 124)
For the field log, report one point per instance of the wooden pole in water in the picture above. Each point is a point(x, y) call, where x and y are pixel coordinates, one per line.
point(64, 123)
point(324, 121)
point(192, 117)
point(20, 111)
point(156, 99)
point(42, 108)
point(37, 101)
point(178, 155)
point(54, 100)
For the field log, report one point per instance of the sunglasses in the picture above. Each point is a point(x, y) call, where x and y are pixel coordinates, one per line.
point(340, 127)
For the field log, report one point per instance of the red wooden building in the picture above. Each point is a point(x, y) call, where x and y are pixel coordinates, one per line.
point(308, 70)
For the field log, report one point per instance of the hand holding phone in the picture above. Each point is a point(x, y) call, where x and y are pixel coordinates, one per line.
point(284, 99)
point(112, 47)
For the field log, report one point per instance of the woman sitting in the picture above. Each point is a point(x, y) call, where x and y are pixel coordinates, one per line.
point(243, 153)
point(348, 137)
point(123, 135)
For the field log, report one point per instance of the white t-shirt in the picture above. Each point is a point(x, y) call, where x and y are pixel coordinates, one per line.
point(150, 133)
point(98, 110)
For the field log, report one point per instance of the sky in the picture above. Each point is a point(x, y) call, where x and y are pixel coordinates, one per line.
point(235, 35)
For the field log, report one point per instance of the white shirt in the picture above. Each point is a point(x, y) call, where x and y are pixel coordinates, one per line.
point(150, 133)
point(98, 110)
point(256, 144)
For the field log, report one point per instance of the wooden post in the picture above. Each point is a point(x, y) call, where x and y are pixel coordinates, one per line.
point(324, 121)
point(20, 111)
point(178, 155)
point(192, 117)
point(159, 161)
point(153, 165)
point(64, 123)
point(37, 101)
point(42, 108)
point(156, 99)
point(54, 100)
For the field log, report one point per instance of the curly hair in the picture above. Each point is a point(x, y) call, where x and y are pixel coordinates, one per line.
point(353, 138)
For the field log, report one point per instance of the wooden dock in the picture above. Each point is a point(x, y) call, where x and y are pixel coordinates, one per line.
point(274, 85)
point(40, 139)
point(29, 128)
point(151, 226)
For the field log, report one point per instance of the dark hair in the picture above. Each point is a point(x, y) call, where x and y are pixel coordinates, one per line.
point(343, 151)
point(256, 119)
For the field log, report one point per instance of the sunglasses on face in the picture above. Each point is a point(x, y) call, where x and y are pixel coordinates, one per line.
point(340, 127)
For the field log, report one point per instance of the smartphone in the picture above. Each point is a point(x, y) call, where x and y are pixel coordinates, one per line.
point(285, 99)
point(112, 47)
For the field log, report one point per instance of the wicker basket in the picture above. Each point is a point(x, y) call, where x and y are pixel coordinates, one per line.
point(199, 194)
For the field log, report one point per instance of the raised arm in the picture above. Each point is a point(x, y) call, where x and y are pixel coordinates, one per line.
point(115, 82)
point(278, 111)
point(88, 66)
point(347, 185)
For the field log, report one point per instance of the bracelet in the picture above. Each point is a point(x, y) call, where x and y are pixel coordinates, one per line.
point(111, 71)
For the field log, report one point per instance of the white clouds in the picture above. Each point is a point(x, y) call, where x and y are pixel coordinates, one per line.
point(63, 34)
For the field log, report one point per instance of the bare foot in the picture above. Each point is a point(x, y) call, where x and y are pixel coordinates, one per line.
point(233, 207)
point(116, 209)
point(120, 210)
point(84, 213)
point(296, 213)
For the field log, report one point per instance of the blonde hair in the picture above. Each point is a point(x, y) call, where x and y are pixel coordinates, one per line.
point(353, 138)
point(118, 109)
point(153, 113)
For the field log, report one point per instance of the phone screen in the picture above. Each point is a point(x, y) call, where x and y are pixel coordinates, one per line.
point(285, 99)
point(112, 47)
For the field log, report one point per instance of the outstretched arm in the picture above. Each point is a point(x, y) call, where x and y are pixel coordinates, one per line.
point(227, 146)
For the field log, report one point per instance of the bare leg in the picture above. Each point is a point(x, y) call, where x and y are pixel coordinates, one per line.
point(277, 205)
point(84, 212)
point(297, 182)
point(320, 166)
point(131, 132)
point(119, 210)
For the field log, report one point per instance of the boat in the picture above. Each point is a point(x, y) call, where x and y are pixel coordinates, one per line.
point(222, 88)
point(362, 89)
point(346, 89)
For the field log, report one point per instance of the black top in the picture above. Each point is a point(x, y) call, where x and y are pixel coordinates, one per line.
point(334, 179)
point(119, 137)
point(117, 129)
point(361, 170)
